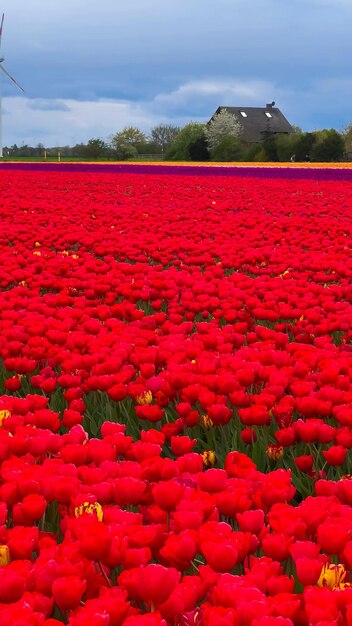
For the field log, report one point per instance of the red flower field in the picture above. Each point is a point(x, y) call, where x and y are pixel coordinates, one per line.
point(176, 404)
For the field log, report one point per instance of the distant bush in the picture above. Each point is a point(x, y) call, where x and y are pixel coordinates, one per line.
point(270, 148)
point(260, 155)
point(304, 145)
point(347, 138)
point(328, 146)
point(95, 149)
point(228, 149)
point(255, 152)
point(286, 146)
point(198, 150)
point(125, 151)
point(324, 145)
point(186, 142)
point(148, 147)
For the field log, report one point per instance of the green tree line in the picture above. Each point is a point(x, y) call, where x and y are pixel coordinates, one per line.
point(219, 140)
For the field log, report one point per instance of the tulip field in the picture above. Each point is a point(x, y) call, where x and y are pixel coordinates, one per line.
point(175, 396)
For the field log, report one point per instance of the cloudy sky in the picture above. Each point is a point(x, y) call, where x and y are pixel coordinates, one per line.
point(91, 67)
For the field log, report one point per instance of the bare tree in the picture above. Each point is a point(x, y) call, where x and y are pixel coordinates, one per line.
point(164, 135)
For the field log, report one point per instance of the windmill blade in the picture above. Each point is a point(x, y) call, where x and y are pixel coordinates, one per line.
point(1, 26)
point(11, 77)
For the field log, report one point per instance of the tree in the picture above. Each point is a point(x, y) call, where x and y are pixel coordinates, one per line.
point(124, 151)
point(329, 146)
point(228, 149)
point(180, 148)
point(131, 135)
point(76, 150)
point(304, 146)
point(164, 134)
point(198, 150)
point(148, 148)
point(222, 125)
point(127, 141)
point(347, 137)
point(95, 149)
point(26, 150)
point(40, 149)
point(270, 148)
point(255, 153)
point(286, 146)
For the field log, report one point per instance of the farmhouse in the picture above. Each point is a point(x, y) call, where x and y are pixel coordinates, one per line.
point(258, 122)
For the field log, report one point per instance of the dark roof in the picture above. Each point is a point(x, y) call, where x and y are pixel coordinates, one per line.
point(258, 121)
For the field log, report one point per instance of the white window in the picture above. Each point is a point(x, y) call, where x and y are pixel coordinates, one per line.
point(243, 114)
point(268, 114)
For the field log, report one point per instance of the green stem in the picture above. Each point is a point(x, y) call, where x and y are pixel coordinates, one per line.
point(105, 576)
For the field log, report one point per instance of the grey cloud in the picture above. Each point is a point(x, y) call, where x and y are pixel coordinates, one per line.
point(41, 104)
point(195, 100)
point(177, 58)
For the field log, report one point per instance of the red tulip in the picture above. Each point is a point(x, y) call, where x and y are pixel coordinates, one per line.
point(335, 455)
point(167, 494)
point(222, 555)
point(149, 412)
point(94, 538)
point(277, 546)
point(152, 583)
point(68, 591)
point(12, 585)
point(251, 521)
point(332, 537)
point(308, 570)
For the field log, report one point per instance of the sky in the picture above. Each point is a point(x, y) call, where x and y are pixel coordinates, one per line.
point(91, 67)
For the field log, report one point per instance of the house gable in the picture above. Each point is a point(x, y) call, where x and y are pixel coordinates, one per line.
point(257, 122)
